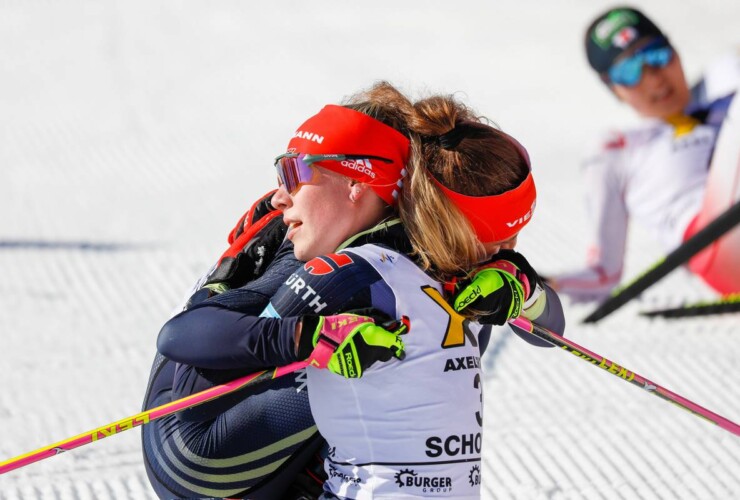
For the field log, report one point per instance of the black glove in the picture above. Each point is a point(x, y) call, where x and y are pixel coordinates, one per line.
point(533, 279)
point(498, 288)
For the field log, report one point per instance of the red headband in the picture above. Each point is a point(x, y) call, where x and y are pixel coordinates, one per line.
point(340, 130)
point(498, 217)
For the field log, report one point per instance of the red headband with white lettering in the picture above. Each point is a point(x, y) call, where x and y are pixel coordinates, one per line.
point(344, 131)
point(498, 217)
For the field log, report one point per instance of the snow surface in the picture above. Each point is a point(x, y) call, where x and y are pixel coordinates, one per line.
point(134, 133)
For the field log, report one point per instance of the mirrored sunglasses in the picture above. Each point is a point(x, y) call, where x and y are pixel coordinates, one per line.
point(295, 169)
point(628, 72)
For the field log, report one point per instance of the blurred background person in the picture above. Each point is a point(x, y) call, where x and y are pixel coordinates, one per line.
point(658, 172)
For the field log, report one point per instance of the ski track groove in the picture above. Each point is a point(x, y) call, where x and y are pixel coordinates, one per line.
point(715, 485)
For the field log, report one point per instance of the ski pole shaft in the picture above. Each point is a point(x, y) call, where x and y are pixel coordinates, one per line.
point(730, 304)
point(709, 234)
point(625, 374)
point(147, 416)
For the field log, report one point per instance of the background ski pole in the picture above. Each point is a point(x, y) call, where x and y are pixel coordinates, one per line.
point(147, 416)
point(726, 305)
point(713, 231)
point(624, 374)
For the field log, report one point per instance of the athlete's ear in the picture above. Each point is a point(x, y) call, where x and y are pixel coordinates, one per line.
point(357, 190)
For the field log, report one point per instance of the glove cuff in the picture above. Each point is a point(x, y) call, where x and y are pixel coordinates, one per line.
point(309, 326)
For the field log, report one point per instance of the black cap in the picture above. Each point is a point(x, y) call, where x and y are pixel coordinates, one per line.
point(615, 31)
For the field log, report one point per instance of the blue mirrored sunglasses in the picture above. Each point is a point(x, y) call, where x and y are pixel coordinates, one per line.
point(628, 72)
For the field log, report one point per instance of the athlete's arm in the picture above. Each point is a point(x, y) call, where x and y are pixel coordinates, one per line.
point(608, 219)
point(546, 311)
point(221, 339)
point(214, 336)
point(506, 287)
point(720, 78)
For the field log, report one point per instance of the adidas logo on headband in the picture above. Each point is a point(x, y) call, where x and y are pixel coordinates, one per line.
point(362, 166)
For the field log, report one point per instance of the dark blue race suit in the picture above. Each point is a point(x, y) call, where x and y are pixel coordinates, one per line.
point(223, 338)
point(252, 444)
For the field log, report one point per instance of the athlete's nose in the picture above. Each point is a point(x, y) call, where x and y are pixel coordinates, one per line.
point(281, 199)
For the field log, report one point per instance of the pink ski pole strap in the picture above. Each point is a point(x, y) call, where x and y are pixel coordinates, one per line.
point(322, 353)
point(321, 336)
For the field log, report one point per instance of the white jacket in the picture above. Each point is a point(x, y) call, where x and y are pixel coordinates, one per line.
point(655, 174)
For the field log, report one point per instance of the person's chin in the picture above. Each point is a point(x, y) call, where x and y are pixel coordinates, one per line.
point(671, 104)
point(300, 249)
point(301, 253)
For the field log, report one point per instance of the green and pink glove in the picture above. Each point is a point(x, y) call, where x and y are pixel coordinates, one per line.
point(348, 344)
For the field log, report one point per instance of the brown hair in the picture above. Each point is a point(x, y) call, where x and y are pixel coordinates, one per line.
point(386, 104)
point(482, 161)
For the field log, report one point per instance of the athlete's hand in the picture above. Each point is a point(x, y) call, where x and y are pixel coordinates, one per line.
point(348, 344)
point(252, 246)
point(259, 209)
point(499, 288)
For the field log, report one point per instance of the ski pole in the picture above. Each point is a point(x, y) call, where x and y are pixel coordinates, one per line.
point(709, 234)
point(163, 410)
point(148, 416)
point(728, 304)
point(624, 374)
